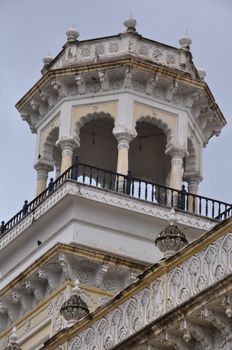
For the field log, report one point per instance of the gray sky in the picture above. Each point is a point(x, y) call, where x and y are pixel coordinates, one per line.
point(29, 28)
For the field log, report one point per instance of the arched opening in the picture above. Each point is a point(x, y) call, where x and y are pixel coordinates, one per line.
point(147, 158)
point(98, 146)
point(51, 152)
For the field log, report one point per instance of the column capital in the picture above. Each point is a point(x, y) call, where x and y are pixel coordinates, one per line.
point(68, 143)
point(43, 166)
point(124, 136)
point(176, 152)
point(193, 178)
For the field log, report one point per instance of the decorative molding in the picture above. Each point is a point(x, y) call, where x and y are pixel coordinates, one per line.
point(103, 196)
point(164, 294)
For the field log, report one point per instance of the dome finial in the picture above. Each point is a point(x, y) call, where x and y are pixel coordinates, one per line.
point(72, 33)
point(48, 58)
point(130, 24)
point(185, 41)
point(201, 71)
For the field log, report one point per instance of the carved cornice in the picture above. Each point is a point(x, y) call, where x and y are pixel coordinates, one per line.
point(103, 196)
point(146, 303)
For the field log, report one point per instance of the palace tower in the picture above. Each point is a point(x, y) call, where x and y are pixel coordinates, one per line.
point(118, 249)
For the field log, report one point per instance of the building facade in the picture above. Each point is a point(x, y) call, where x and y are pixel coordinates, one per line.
point(118, 249)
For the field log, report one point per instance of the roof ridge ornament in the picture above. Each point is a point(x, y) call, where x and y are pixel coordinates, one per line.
point(171, 239)
point(185, 42)
point(47, 59)
point(72, 34)
point(13, 340)
point(75, 308)
point(130, 24)
point(201, 71)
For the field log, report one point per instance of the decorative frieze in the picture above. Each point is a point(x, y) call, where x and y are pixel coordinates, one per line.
point(165, 293)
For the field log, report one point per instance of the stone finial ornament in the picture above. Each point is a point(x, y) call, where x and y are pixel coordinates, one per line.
point(130, 24)
point(185, 42)
point(202, 73)
point(47, 59)
point(13, 341)
point(72, 34)
point(171, 239)
point(74, 308)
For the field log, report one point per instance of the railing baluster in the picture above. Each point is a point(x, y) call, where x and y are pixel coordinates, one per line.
point(97, 178)
point(83, 176)
point(94, 176)
point(194, 204)
point(124, 184)
point(90, 177)
point(145, 190)
point(117, 182)
point(152, 193)
point(158, 194)
point(213, 209)
point(172, 199)
point(165, 196)
point(219, 208)
point(111, 182)
point(139, 191)
point(132, 188)
point(104, 180)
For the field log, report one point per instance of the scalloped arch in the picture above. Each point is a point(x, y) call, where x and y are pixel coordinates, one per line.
point(49, 143)
point(162, 125)
point(92, 116)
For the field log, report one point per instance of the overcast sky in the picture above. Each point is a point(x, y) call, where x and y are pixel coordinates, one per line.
point(29, 28)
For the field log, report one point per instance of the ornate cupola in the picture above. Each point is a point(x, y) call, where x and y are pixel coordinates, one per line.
point(122, 103)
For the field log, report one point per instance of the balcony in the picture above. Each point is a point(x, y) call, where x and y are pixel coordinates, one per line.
point(129, 186)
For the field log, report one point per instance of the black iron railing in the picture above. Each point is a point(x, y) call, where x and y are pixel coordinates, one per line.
point(128, 185)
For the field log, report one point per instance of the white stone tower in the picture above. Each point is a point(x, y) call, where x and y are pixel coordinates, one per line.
point(121, 123)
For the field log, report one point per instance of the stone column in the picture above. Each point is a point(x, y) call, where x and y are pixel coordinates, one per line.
point(67, 145)
point(193, 181)
point(42, 168)
point(177, 154)
point(124, 137)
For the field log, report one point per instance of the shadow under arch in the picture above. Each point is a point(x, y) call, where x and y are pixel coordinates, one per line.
point(147, 158)
point(98, 146)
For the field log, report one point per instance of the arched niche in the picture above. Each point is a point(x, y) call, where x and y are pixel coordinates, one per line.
point(98, 146)
point(147, 158)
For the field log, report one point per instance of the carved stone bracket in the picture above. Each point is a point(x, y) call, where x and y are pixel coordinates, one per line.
point(223, 324)
point(66, 267)
point(59, 88)
point(174, 341)
point(197, 332)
